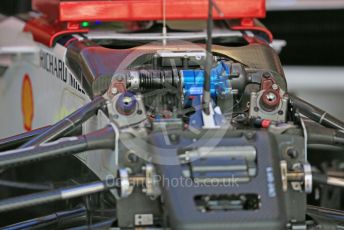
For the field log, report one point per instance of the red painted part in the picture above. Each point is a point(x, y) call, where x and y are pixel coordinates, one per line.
point(46, 33)
point(254, 40)
point(137, 10)
point(250, 25)
point(266, 123)
point(70, 41)
point(271, 104)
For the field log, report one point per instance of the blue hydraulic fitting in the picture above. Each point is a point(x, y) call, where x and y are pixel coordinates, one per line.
point(193, 81)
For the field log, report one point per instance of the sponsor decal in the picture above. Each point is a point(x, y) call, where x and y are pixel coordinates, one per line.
point(27, 102)
point(58, 68)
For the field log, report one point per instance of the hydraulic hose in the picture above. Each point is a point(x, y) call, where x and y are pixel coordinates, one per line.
point(100, 139)
point(321, 135)
point(318, 115)
point(68, 123)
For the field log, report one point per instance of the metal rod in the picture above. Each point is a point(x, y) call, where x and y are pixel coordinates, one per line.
point(57, 195)
point(339, 182)
point(25, 185)
point(49, 220)
point(326, 213)
point(68, 123)
point(137, 180)
point(208, 60)
point(164, 28)
point(18, 140)
point(329, 180)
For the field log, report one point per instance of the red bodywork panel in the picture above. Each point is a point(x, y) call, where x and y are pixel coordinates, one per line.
point(64, 16)
point(135, 10)
point(45, 32)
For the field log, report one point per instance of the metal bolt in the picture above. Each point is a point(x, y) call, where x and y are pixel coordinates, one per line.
point(275, 87)
point(266, 75)
point(132, 157)
point(127, 100)
point(292, 153)
point(271, 96)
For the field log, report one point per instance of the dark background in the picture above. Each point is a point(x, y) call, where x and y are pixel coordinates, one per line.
point(313, 37)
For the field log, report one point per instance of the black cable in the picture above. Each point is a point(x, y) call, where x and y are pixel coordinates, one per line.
point(100, 139)
point(318, 115)
point(326, 148)
point(58, 194)
point(25, 185)
point(327, 136)
point(68, 123)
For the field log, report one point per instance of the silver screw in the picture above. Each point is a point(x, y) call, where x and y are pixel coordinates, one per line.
point(127, 100)
point(271, 96)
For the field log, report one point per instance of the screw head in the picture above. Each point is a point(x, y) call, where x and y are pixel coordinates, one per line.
point(292, 153)
point(132, 157)
point(270, 100)
point(127, 100)
point(270, 96)
point(266, 75)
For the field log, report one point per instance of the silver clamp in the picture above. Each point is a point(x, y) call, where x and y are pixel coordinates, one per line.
point(300, 178)
point(126, 187)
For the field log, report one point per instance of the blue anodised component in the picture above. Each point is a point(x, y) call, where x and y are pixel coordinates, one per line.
point(193, 81)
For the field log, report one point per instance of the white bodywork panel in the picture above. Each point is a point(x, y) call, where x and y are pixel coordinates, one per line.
point(53, 97)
